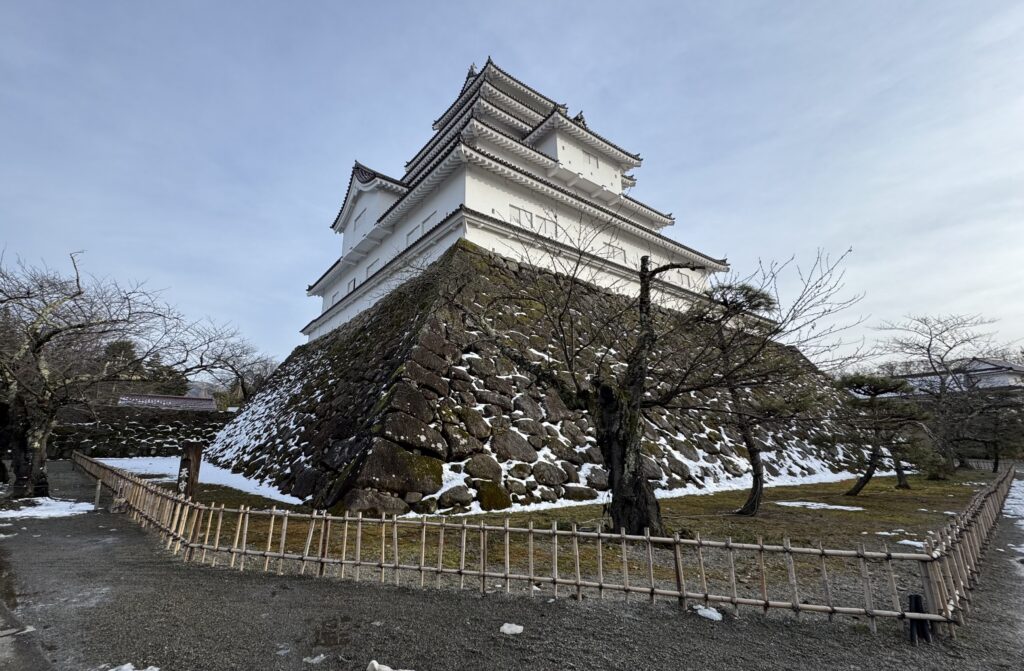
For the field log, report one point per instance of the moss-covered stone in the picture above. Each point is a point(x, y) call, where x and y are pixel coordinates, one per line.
point(491, 495)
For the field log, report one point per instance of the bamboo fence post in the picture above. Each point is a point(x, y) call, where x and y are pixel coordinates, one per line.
point(483, 559)
point(440, 552)
point(310, 528)
point(194, 533)
point(216, 547)
point(320, 545)
point(270, 538)
point(764, 579)
point(394, 543)
point(625, 563)
point(600, 564)
point(423, 550)
point(732, 576)
point(173, 524)
point(359, 543)
point(794, 591)
point(462, 556)
point(529, 550)
point(325, 551)
point(383, 544)
point(508, 582)
point(554, 556)
point(868, 596)
point(576, 560)
point(825, 585)
point(703, 573)
point(680, 578)
point(245, 537)
point(896, 605)
point(206, 536)
point(344, 545)
point(238, 534)
point(650, 561)
point(282, 545)
point(187, 521)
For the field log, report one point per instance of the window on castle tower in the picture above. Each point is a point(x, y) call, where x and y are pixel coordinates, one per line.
point(351, 285)
point(371, 267)
point(411, 236)
point(546, 227)
point(521, 217)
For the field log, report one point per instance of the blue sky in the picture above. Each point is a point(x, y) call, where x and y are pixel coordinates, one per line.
point(205, 147)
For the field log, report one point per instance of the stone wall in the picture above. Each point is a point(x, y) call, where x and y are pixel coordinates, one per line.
point(133, 432)
point(408, 407)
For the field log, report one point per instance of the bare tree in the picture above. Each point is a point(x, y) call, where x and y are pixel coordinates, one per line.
point(240, 368)
point(934, 353)
point(56, 330)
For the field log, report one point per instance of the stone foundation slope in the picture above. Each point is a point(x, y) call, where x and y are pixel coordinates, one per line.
point(406, 408)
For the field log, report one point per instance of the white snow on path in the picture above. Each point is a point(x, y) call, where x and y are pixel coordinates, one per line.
point(511, 629)
point(815, 505)
point(377, 666)
point(708, 613)
point(132, 667)
point(1014, 508)
point(44, 507)
point(209, 474)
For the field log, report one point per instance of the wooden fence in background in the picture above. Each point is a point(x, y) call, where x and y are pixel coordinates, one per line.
point(578, 562)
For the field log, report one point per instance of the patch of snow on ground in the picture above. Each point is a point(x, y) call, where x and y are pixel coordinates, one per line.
point(708, 613)
point(731, 484)
point(44, 507)
point(815, 505)
point(209, 474)
point(511, 629)
point(131, 667)
point(914, 544)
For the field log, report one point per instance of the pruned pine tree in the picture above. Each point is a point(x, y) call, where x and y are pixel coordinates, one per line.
point(882, 414)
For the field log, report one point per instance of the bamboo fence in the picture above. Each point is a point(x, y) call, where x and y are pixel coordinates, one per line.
point(577, 562)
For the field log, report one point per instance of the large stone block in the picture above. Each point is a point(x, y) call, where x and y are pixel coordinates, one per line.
point(510, 446)
point(378, 503)
point(410, 432)
point(409, 400)
point(394, 469)
point(548, 474)
point(484, 467)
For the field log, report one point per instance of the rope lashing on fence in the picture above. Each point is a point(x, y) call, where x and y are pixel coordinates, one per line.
point(945, 571)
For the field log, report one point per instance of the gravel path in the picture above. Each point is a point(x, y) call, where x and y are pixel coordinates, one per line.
point(99, 590)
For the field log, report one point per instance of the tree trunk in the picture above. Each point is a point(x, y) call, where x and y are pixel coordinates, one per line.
point(753, 503)
point(634, 506)
point(869, 472)
point(29, 458)
point(964, 463)
point(995, 461)
point(901, 475)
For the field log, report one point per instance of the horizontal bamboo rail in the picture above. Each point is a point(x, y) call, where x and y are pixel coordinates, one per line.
point(835, 581)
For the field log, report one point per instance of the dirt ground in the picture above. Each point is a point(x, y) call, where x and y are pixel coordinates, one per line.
point(100, 591)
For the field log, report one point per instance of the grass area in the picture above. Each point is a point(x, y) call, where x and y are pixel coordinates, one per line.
point(886, 508)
